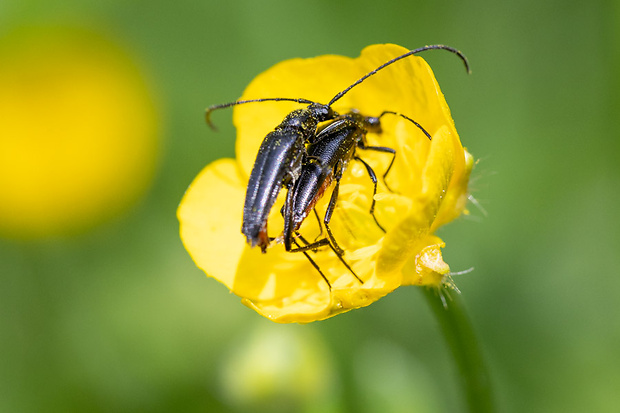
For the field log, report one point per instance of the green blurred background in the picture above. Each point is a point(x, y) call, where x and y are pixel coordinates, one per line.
point(118, 318)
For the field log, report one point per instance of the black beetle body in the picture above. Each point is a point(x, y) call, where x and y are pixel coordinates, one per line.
point(328, 157)
point(278, 163)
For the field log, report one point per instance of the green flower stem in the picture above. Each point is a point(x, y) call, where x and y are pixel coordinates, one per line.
point(461, 339)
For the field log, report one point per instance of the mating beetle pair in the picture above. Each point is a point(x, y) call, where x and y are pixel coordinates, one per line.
point(305, 153)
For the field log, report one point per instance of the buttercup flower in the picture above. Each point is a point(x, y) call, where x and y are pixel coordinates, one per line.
point(427, 188)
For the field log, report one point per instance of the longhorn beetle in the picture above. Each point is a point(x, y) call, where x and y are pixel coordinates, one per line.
point(328, 157)
point(282, 152)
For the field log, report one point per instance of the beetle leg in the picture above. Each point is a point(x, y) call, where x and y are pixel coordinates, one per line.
point(373, 178)
point(314, 264)
point(321, 243)
point(316, 214)
point(329, 212)
point(384, 150)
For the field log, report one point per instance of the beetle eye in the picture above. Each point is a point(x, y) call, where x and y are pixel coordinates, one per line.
point(327, 113)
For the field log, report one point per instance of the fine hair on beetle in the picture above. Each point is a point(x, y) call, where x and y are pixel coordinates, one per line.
point(283, 157)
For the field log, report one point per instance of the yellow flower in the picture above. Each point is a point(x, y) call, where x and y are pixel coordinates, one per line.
point(78, 135)
point(429, 183)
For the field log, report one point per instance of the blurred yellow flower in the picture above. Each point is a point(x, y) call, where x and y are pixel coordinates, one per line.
point(429, 182)
point(78, 135)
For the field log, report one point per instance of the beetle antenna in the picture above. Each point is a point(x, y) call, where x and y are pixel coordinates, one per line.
point(240, 102)
point(409, 119)
point(396, 59)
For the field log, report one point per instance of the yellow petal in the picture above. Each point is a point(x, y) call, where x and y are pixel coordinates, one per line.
point(303, 305)
point(210, 218)
point(406, 239)
point(456, 197)
point(280, 284)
